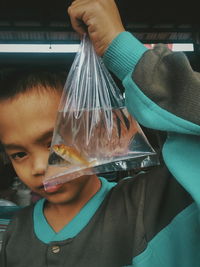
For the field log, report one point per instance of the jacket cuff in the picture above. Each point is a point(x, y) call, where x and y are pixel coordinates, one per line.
point(123, 54)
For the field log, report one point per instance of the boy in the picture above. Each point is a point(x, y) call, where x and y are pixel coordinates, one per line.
point(151, 220)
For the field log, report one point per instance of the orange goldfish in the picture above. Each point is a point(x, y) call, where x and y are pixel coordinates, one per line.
point(70, 154)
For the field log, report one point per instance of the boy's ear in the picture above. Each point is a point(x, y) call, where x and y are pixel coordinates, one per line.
point(7, 177)
point(4, 159)
point(7, 172)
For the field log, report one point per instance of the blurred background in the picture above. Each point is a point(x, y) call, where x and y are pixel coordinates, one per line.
point(47, 22)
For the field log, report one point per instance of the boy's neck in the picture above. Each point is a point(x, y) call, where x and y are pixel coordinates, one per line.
point(60, 214)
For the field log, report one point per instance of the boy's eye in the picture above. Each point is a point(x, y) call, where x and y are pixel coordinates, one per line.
point(18, 155)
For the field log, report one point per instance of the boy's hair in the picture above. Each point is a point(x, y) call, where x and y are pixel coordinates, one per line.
point(19, 80)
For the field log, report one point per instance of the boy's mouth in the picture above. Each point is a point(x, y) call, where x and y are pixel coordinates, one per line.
point(53, 189)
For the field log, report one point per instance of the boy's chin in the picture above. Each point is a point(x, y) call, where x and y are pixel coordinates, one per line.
point(61, 194)
point(58, 199)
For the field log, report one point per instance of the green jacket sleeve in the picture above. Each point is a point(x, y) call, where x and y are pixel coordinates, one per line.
point(162, 92)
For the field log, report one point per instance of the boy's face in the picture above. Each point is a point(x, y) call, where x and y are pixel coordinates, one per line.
point(26, 128)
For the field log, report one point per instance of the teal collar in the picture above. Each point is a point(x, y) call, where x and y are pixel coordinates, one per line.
point(46, 234)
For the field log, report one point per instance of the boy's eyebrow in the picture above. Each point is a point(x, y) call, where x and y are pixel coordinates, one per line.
point(12, 146)
point(43, 137)
point(46, 135)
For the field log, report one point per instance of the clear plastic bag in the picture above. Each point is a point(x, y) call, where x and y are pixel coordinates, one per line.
point(94, 132)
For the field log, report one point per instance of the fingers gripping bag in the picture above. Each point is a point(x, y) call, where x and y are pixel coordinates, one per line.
point(94, 132)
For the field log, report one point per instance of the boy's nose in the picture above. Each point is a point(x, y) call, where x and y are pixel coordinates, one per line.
point(39, 166)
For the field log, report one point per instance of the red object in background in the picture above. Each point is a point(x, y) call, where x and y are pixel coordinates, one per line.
point(150, 46)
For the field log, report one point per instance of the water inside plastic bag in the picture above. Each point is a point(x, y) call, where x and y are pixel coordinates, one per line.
point(75, 150)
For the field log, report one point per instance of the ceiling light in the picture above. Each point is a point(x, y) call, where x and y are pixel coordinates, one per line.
point(187, 47)
point(39, 48)
point(72, 48)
